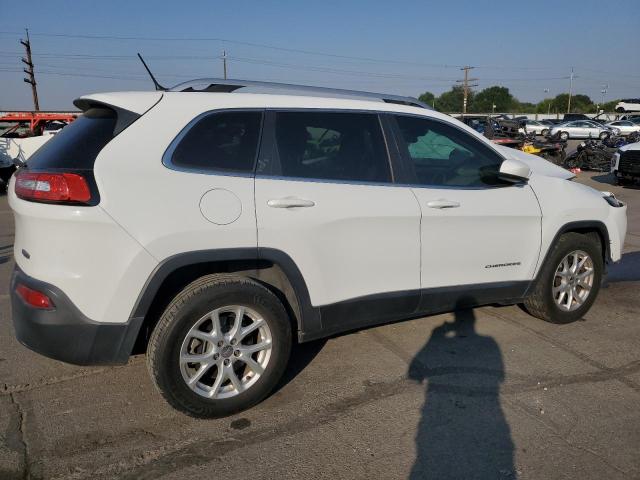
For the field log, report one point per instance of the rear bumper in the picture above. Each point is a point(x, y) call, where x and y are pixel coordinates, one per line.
point(64, 333)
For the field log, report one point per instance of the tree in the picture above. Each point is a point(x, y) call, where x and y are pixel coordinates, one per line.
point(499, 96)
point(428, 98)
point(579, 103)
point(452, 100)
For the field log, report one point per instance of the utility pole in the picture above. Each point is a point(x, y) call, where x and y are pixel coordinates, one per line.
point(570, 91)
point(224, 63)
point(465, 87)
point(29, 71)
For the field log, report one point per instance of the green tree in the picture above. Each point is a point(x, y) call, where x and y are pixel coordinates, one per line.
point(484, 100)
point(451, 101)
point(428, 98)
point(579, 103)
point(609, 107)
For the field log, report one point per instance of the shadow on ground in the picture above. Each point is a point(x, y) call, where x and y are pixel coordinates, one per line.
point(610, 179)
point(462, 432)
point(626, 270)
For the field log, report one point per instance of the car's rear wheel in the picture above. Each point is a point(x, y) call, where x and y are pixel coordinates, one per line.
point(569, 280)
point(220, 346)
point(564, 135)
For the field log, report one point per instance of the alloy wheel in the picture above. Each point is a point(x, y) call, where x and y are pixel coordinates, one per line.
point(225, 352)
point(573, 280)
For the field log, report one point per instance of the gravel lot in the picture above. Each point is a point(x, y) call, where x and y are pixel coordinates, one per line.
point(489, 393)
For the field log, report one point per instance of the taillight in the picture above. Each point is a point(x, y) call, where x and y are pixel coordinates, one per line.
point(33, 297)
point(52, 187)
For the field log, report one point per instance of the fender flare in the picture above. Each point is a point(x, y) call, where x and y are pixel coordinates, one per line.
point(597, 225)
point(309, 320)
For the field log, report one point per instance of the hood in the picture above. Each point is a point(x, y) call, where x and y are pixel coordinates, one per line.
point(630, 146)
point(538, 165)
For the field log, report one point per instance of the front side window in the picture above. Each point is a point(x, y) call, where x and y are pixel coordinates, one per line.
point(220, 142)
point(331, 146)
point(443, 155)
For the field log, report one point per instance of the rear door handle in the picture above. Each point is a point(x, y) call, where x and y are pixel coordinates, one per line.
point(443, 204)
point(290, 202)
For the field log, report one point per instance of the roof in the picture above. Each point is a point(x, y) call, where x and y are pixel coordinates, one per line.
point(219, 85)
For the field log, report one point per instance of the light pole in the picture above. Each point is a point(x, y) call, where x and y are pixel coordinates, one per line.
point(493, 108)
point(546, 90)
point(605, 87)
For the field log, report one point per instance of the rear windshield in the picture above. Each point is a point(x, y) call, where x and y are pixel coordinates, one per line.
point(77, 145)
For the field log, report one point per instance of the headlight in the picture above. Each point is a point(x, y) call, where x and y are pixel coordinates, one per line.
point(611, 199)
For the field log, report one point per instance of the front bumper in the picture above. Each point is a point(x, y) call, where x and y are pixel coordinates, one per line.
point(64, 333)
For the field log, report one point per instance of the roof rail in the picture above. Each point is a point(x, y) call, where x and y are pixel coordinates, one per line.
point(250, 86)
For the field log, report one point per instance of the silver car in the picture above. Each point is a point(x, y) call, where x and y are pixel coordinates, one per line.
point(583, 129)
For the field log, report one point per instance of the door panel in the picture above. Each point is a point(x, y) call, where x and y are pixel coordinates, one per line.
point(492, 236)
point(356, 240)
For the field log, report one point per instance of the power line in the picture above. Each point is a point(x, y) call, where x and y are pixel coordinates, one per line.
point(237, 42)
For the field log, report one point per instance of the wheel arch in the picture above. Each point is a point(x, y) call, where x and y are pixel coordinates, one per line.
point(582, 227)
point(272, 268)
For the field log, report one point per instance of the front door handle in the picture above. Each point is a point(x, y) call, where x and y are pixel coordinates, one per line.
point(443, 204)
point(290, 202)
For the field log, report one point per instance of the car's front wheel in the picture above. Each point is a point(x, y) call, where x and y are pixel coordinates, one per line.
point(564, 135)
point(544, 132)
point(220, 347)
point(569, 281)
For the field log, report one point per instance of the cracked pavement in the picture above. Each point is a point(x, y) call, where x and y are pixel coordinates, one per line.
point(489, 393)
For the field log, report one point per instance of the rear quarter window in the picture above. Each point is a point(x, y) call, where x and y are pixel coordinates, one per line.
point(77, 145)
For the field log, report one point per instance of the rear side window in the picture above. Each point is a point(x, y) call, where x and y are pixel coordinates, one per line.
point(443, 155)
point(220, 142)
point(77, 145)
point(332, 146)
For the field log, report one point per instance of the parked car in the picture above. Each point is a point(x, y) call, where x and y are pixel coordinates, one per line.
point(583, 129)
point(529, 126)
point(626, 163)
point(628, 105)
point(626, 127)
point(211, 225)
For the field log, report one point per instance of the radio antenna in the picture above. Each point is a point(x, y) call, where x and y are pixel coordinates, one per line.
point(153, 79)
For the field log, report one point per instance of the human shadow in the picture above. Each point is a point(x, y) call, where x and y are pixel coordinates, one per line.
point(462, 433)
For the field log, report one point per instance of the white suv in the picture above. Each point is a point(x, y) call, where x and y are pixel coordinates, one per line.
point(212, 224)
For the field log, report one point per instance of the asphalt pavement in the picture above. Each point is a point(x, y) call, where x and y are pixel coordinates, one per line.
point(486, 393)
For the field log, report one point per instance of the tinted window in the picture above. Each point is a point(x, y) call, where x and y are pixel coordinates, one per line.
point(225, 141)
point(331, 146)
point(77, 145)
point(443, 155)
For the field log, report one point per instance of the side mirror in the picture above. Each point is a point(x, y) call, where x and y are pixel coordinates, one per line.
point(514, 171)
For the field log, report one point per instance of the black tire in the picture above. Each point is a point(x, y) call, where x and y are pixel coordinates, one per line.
point(540, 302)
point(603, 135)
point(196, 300)
point(564, 136)
point(544, 132)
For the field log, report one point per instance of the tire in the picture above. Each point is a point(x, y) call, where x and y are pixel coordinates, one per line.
point(190, 313)
point(620, 110)
point(541, 302)
point(603, 135)
point(544, 132)
point(564, 136)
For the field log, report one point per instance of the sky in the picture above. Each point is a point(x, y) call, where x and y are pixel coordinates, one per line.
point(400, 47)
